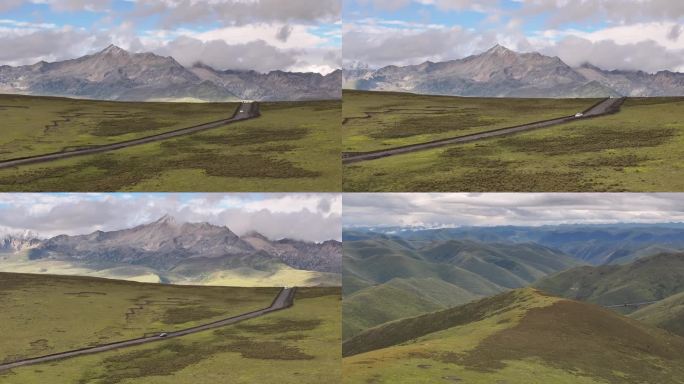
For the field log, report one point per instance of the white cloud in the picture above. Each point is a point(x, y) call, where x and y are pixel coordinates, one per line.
point(491, 209)
point(312, 217)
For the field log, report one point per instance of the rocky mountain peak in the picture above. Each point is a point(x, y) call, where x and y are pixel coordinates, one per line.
point(113, 50)
point(166, 220)
point(499, 50)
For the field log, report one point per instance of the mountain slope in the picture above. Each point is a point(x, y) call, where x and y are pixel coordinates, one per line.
point(386, 278)
point(521, 336)
point(500, 72)
point(667, 314)
point(646, 279)
point(115, 74)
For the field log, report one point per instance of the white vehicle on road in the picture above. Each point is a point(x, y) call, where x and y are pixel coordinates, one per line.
point(163, 334)
point(579, 114)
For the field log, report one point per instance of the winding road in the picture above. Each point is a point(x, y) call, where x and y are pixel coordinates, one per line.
point(285, 299)
point(244, 111)
point(604, 107)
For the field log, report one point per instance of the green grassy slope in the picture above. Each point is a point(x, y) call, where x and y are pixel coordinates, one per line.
point(379, 120)
point(297, 345)
point(291, 147)
point(47, 314)
point(639, 149)
point(667, 314)
point(388, 278)
point(521, 336)
point(646, 279)
point(37, 125)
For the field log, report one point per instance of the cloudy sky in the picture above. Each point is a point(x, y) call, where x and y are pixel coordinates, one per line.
point(492, 209)
point(294, 35)
point(312, 217)
point(612, 34)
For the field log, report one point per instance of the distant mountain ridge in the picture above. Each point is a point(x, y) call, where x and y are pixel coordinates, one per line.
point(186, 252)
point(592, 243)
point(116, 74)
point(501, 72)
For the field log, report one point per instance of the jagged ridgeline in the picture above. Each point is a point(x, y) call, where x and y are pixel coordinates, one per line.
point(501, 72)
point(173, 252)
point(115, 74)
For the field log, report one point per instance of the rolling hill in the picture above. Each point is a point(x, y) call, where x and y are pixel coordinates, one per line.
point(646, 279)
point(183, 253)
point(501, 72)
point(667, 314)
point(386, 278)
point(521, 336)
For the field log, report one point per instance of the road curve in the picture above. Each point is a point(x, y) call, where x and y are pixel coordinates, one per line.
point(244, 111)
point(601, 108)
point(285, 299)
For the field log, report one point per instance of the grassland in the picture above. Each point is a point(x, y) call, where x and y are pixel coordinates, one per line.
point(280, 275)
point(297, 345)
point(38, 125)
point(519, 337)
point(291, 147)
point(380, 120)
point(43, 314)
point(639, 149)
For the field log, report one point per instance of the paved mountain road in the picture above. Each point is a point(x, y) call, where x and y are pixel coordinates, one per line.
point(604, 107)
point(245, 111)
point(285, 299)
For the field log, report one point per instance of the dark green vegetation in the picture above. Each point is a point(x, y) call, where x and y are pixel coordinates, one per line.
point(380, 120)
point(646, 279)
point(292, 146)
point(521, 336)
point(296, 345)
point(48, 314)
point(638, 149)
point(386, 278)
point(667, 314)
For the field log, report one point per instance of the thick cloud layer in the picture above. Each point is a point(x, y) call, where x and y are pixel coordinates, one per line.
point(264, 35)
point(312, 217)
point(612, 34)
point(491, 209)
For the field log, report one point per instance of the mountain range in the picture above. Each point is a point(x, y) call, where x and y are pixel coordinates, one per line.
point(198, 253)
point(501, 72)
point(116, 74)
point(386, 278)
point(594, 244)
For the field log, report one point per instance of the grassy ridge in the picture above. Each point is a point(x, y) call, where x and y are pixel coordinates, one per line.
point(638, 149)
point(379, 120)
point(292, 147)
point(646, 279)
point(667, 314)
point(518, 337)
point(297, 345)
point(47, 314)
